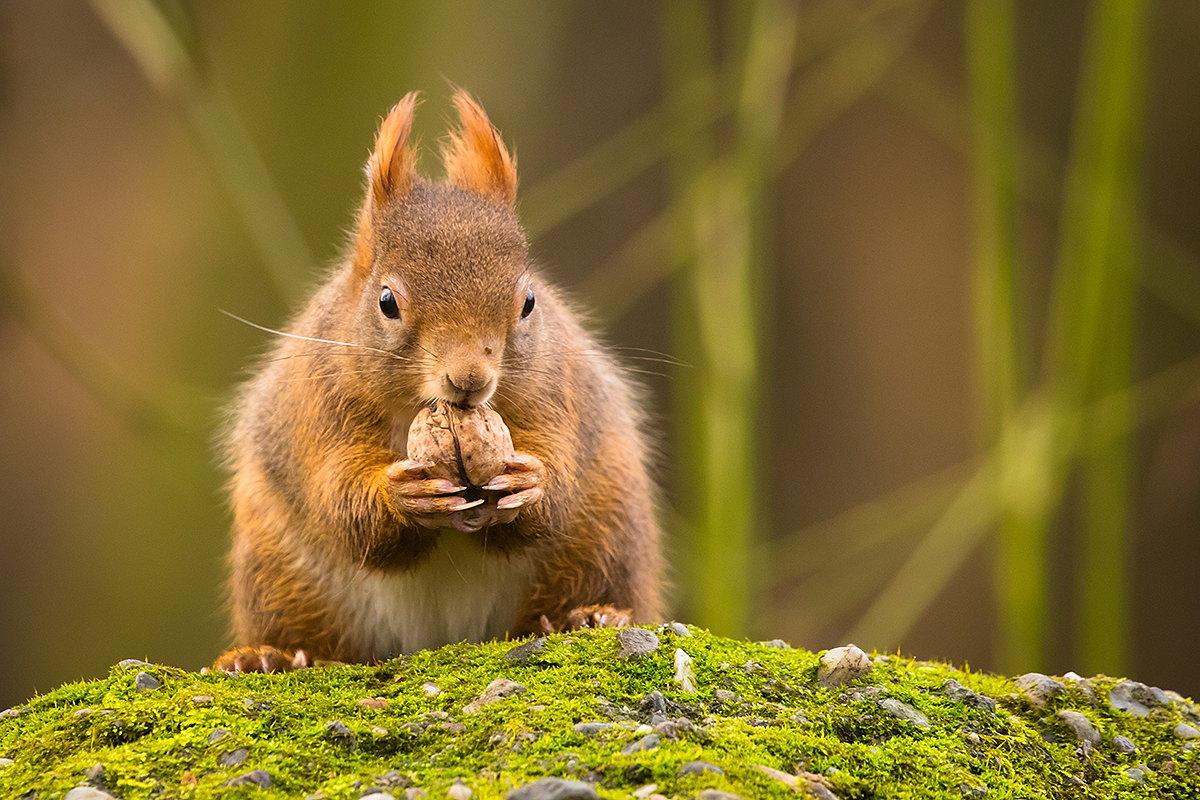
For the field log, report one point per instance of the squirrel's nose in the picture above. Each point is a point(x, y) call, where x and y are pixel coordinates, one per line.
point(471, 384)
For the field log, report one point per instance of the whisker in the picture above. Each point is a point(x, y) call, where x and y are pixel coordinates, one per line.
point(306, 338)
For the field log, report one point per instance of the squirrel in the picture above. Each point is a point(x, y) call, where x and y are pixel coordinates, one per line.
point(345, 550)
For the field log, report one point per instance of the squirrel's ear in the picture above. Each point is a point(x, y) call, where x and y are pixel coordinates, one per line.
point(391, 167)
point(475, 157)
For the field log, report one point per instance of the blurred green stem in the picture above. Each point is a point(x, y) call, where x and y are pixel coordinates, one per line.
point(149, 38)
point(1091, 331)
point(720, 234)
point(1020, 565)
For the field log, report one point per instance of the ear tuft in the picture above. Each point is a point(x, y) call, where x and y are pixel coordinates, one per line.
point(392, 167)
point(475, 157)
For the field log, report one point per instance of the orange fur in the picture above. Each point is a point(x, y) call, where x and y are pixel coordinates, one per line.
point(475, 157)
point(327, 557)
point(392, 166)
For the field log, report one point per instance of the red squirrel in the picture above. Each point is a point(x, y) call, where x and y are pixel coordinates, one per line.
point(345, 550)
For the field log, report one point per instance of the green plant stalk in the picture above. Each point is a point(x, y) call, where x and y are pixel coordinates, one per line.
point(687, 52)
point(1021, 546)
point(1091, 330)
point(150, 39)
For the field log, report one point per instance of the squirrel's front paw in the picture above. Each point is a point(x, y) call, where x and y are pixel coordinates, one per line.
point(518, 486)
point(431, 502)
point(263, 658)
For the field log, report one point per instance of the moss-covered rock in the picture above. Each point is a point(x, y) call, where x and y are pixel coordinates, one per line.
point(758, 718)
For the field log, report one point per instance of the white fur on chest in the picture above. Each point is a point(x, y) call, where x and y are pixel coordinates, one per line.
point(456, 594)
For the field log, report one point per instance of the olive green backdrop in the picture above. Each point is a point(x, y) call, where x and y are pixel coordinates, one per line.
point(938, 395)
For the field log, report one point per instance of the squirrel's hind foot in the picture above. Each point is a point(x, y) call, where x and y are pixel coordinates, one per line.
point(263, 658)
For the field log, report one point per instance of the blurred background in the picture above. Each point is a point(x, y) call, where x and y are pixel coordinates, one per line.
point(933, 268)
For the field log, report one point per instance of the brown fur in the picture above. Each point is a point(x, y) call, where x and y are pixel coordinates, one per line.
point(318, 427)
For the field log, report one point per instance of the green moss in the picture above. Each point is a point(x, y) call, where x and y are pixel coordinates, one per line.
point(155, 743)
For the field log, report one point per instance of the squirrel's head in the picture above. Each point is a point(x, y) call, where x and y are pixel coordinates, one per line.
point(441, 269)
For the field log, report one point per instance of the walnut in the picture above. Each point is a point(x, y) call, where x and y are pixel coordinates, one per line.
point(465, 445)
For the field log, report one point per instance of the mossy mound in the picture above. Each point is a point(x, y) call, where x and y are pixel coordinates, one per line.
point(402, 724)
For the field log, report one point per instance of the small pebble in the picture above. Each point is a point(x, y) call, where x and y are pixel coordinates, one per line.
point(1185, 731)
point(146, 682)
point(87, 793)
point(698, 767)
point(83, 712)
point(684, 676)
point(842, 665)
point(10, 713)
point(724, 695)
point(4, 762)
point(523, 652)
point(496, 691)
point(553, 789)
point(778, 644)
point(636, 643)
point(1136, 698)
point(377, 795)
point(414, 793)
point(1039, 688)
point(645, 791)
point(340, 735)
point(647, 742)
point(1136, 774)
point(430, 689)
point(202, 699)
point(1123, 744)
point(717, 794)
point(232, 759)
point(591, 728)
point(256, 777)
point(133, 662)
point(378, 731)
point(373, 703)
point(680, 629)
point(459, 791)
point(453, 727)
point(217, 735)
point(904, 711)
point(1081, 726)
point(779, 775)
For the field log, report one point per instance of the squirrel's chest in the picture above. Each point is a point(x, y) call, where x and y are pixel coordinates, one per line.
point(459, 593)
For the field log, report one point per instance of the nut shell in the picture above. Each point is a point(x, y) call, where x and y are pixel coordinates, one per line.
point(465, 445)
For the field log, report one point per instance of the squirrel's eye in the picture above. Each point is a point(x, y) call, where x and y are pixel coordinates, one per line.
point(387, 304)
point(528, 308)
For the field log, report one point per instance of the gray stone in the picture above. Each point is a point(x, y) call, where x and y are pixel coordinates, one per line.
point(904, 711)
point(1081, 726)
point(1136, 698)
point(217, 735)
point(647, 742)
point(724, 695)
point(202, 699)
point(680, 629)
point(1039, 688)
point(340, 735)
point(414, 793)
point(234, 757)
point(842, 665)
point(1123, 744)
point(255, 777)
point(87, 793)
point(778, 644)
point(146, 682)
point(817, 788)
point(522, 652)
point(591, 728)
point(636, 643)
point(497, 690)
point(1136, 774)
point(134, 662)
point(553, 789)
point(698, 767)
point(653, 705)
point(95, 774)
point(717, 794)
point(1185, 731)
